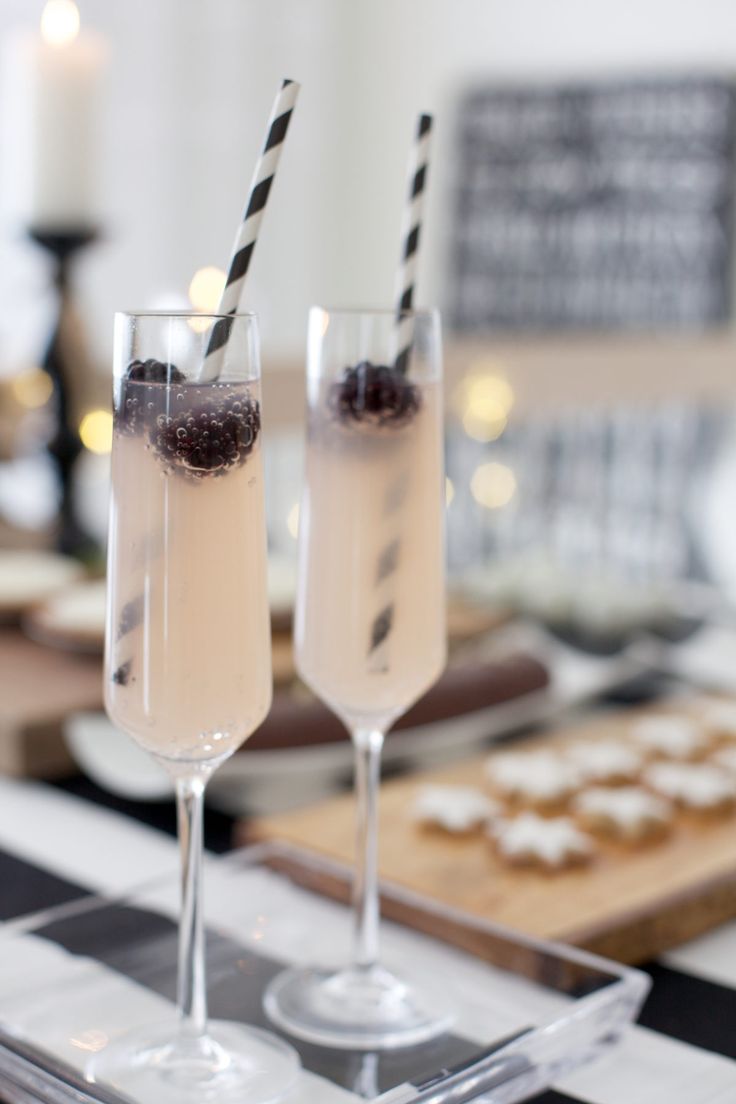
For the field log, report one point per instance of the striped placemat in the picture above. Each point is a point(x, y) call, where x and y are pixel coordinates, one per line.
point(55, 848)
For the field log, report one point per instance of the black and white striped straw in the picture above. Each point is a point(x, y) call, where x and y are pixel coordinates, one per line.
point(378, 650)
point(245, 240)
point(411, 231)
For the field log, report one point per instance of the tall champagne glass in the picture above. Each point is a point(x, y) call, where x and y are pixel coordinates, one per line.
point(188, 659)
point(370, 618)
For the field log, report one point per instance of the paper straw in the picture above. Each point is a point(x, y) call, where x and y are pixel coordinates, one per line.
point(247, 235)
point(410, 234)
point(380, 632)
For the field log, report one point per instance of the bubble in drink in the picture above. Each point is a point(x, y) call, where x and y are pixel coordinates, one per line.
point(191, 677)
point(371, 551)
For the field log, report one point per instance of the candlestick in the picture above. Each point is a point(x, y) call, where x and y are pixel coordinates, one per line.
point(65, 353)
point(52, 84)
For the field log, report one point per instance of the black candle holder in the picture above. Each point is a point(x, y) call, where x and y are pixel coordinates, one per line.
point(65, 349)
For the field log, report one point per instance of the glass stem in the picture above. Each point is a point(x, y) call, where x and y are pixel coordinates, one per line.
point(192, 990)
point(368, 744)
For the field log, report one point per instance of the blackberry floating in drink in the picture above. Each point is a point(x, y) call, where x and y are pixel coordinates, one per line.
point(188, 642)
point(370, 623)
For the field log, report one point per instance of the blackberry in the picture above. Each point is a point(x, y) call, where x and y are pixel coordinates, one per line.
point(374, 395)
point(210, 439)
point(153, 371)
point(137, 410)
point(121, 676)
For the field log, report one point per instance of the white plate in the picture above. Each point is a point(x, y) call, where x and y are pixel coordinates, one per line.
point(28, 577)
point(258, 782)
point(73, 618)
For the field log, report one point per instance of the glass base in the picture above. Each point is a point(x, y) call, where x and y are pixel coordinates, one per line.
point(231, 1064)
point(355, 1009)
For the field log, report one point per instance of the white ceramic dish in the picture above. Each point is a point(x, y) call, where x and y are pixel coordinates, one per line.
point(260, 782)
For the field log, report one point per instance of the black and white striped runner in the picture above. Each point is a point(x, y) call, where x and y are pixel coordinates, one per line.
point(236, 994)
point(54, 848)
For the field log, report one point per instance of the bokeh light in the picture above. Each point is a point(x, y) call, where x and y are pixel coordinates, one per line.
point(493, 485)
point(206, 288)
point(483, 400)
point(32, 389)
point(205, 291)
point(95, 431)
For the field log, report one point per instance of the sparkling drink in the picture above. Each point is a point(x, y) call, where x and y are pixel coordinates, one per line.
point(371, 560)
point(188, 656)
point(370, 628)
point(189, 626)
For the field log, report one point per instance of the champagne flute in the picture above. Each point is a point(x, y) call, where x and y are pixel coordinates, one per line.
point(370, 628)
point(188, 659)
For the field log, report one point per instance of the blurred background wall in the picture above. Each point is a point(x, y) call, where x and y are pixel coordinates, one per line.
point(189, 85)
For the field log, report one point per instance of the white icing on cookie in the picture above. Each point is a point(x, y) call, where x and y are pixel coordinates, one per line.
point(628, 812)
point(529, 838)
point(720, 718)
point(454, 808)
point(672, 737)
point(539, 776)
point(695, 785)
point(606, 760)
point(725, 757)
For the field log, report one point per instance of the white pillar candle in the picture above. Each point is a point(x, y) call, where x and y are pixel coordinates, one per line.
point(51, 100)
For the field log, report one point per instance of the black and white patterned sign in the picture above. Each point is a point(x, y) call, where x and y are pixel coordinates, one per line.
point(594, 206)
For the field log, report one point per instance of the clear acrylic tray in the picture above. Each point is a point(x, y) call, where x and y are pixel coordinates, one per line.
point(77, 976)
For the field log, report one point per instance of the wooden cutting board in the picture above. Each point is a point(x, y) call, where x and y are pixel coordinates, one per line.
point(631, 903)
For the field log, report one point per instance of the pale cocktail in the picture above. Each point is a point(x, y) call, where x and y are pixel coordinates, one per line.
point(370, 623)
point(188, 656)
